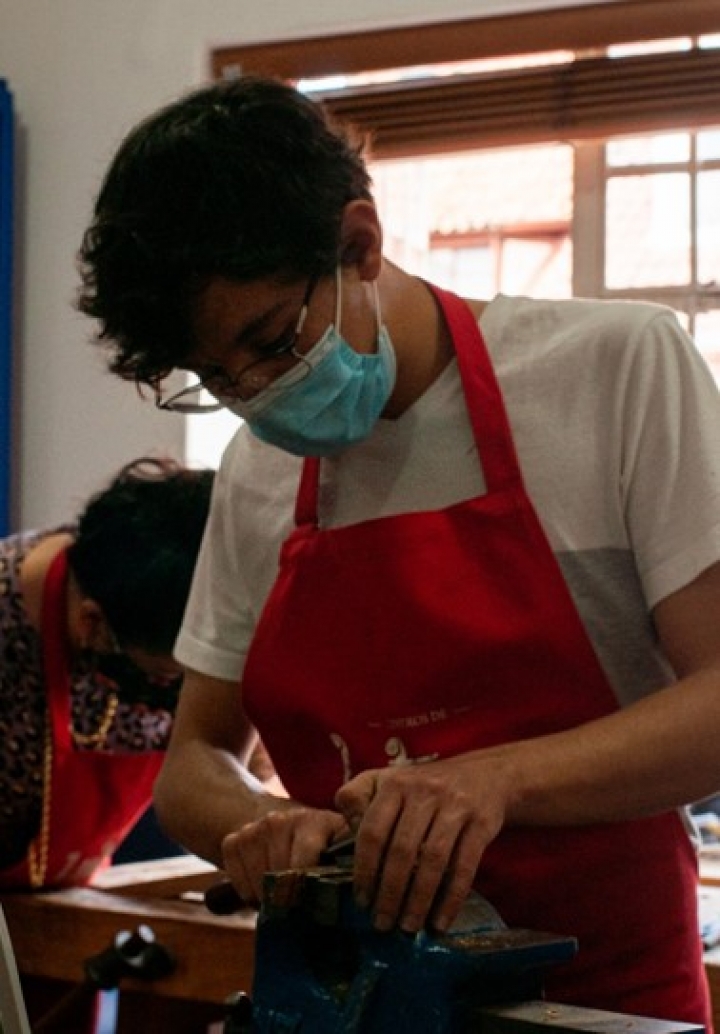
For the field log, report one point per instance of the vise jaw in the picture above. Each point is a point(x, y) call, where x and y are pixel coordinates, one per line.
point(321, 967)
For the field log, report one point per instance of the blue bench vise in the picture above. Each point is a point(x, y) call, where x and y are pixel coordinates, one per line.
point(322, 968)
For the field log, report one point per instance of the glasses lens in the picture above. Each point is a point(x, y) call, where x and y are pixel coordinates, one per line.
point(191, 400)
point(262, 376)
point(214, 391)
point(194, 408)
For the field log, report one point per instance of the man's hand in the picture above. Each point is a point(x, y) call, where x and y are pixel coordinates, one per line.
point(286, 838)
point(421, 832)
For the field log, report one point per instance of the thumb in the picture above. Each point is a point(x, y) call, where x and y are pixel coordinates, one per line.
point(353, 799)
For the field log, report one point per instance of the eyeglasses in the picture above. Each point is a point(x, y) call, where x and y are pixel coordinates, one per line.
point(257, 376)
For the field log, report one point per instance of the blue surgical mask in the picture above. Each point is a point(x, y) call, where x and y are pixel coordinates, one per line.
point(335, 403)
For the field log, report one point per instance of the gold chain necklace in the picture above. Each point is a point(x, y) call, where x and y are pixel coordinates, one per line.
point(38, 852)
point(97, 738)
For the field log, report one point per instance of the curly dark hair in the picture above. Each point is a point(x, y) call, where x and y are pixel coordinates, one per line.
point(135, 549)
point(242, 179)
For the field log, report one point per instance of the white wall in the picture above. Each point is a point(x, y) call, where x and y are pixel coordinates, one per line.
point(82, 73)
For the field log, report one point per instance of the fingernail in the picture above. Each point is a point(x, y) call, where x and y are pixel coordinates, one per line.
point(383, 922)
point(410, 924)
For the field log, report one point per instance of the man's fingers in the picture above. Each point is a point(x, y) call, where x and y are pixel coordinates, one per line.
point(288, 838)
point(459, 876)
point(428, 877)
point(354, 798)
point(396, 859)
point(244, 862)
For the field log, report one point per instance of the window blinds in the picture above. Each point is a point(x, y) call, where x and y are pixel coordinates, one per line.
point(585, 98)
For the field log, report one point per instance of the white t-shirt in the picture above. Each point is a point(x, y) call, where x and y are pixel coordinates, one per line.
point(616, 422)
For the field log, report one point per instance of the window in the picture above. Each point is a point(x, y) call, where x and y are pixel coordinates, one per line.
point(643, 212)
point(589, 165)
point(658, 200)
point(479, 222)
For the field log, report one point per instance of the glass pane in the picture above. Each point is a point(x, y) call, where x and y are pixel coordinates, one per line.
point(683, 319)
point(707, 338)
point(470, 272)
point(648, 150)
point(709, 227)
point(469, 200)
point(708, 145)
point(539, 268)
point(647, 231)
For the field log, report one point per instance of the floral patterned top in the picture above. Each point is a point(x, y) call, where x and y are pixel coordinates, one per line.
point(137, 726)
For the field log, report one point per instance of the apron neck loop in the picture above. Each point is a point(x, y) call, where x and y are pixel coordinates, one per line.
point(485, 406)
point(306, 511)
point(55, 648)
point(486, 410)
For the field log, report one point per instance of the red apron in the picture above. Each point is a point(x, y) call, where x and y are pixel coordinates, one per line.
point(95, 797)
point(428, 634)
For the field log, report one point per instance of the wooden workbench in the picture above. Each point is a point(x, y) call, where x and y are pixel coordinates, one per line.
point(710, 888)
point(54, 932)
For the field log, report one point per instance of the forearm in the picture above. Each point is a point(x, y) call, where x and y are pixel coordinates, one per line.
point(206, 788)
point(655, 755)
point(204, 792)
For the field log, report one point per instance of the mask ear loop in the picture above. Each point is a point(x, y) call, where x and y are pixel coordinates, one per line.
point(338, 297)
point(378, 309)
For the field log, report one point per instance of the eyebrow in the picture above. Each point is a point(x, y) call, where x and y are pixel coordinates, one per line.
point(257, 325)
point(241, 338)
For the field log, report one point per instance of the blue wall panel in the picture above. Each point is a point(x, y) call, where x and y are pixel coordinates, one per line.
point(6, 229)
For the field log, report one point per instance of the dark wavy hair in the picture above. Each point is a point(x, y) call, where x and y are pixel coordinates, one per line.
point(135, 549)
point(242, 179)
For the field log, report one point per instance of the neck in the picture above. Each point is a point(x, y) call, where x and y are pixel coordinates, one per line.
point(422, 342)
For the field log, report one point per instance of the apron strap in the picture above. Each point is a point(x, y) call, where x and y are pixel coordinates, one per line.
point(55, 649)
point(483, 397)
point(306, 498)
point(486, 409)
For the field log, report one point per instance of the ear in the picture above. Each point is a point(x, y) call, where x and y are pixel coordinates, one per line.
point(361, 239)
point(91, 627)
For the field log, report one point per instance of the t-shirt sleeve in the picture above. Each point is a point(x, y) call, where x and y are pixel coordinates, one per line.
point(670, 463)
point(218, 624)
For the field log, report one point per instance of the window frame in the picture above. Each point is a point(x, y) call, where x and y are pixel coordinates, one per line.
point(587, 28)
point(592, 174)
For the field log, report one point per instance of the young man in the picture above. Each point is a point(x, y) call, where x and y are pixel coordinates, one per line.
point(461, 568)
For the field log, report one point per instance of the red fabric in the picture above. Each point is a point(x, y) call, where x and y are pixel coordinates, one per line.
point(96, 797)
point(428, 634)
